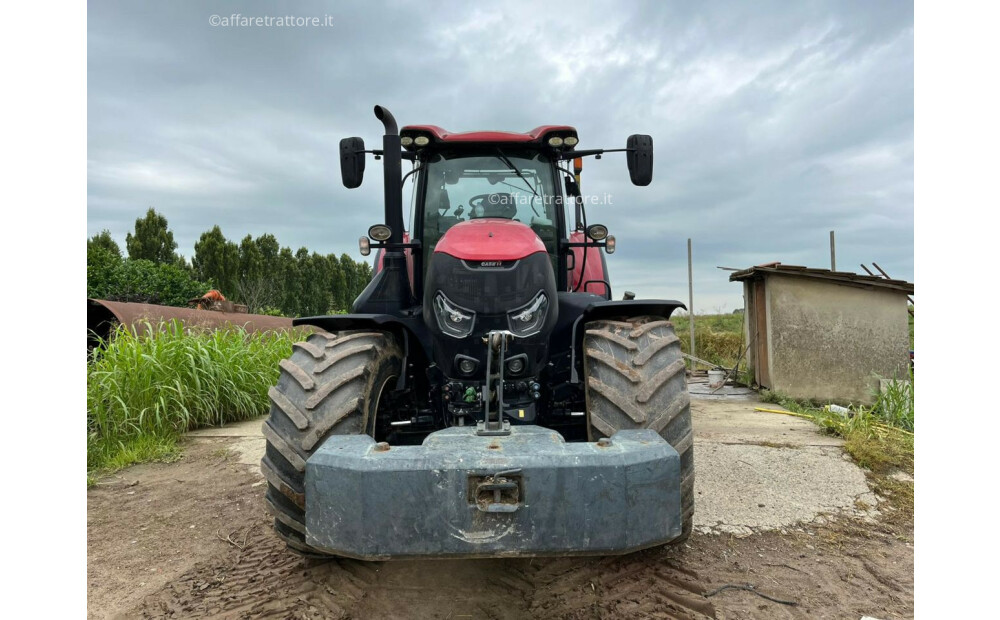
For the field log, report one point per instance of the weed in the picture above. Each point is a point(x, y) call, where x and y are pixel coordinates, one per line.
point(894, 401)
point(776, 398)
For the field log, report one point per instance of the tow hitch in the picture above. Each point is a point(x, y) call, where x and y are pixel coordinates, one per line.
point(497, 493)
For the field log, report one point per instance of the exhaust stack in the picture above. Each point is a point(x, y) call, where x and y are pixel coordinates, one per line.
point(389, 291)
point(392, 167)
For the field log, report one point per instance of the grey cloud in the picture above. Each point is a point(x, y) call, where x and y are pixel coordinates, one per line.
point(773, 122)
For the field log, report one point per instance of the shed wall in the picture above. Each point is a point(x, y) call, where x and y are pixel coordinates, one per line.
point(827, 340)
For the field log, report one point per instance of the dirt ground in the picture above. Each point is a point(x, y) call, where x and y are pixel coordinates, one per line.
point(192, 539)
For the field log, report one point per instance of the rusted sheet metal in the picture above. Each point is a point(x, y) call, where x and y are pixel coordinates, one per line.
point(102, 316)
point(843, 277)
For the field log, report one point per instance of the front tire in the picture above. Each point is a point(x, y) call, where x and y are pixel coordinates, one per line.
point(331, 385)
point(635, 378)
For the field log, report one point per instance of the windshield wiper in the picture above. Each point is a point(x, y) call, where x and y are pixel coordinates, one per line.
point(511, 165)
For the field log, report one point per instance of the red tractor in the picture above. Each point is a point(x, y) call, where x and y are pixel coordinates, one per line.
point(486, 396)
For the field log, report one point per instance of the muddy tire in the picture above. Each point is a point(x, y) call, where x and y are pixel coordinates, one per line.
point(635, 378)
point(329, 386)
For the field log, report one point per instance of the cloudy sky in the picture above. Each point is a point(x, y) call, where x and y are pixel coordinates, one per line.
point(773, 122)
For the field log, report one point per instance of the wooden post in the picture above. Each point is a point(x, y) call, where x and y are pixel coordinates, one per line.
point(691, 303)
point(833, 253)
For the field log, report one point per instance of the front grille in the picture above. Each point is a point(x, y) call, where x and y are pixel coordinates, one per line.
point(489, 290)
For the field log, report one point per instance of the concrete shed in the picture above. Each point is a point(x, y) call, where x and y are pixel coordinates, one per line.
point(824, 335)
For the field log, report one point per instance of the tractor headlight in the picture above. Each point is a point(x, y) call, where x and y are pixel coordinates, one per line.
point(528, 319)
point(453, 321)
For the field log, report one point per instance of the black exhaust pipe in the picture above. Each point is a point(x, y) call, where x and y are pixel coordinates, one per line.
point(389, 292)
point(392, 164)
point(383, 114)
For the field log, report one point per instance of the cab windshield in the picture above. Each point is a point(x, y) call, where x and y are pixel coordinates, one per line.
point(513, 186)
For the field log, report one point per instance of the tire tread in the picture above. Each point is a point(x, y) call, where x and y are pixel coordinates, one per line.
point(616, 354)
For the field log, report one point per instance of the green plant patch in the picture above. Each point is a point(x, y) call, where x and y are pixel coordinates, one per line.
point(147, 387)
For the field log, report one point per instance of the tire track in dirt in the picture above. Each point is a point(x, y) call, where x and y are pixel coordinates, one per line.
point(268, 581)
point(636, 586)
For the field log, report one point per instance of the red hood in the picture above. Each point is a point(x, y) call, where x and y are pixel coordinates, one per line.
point(489, 239)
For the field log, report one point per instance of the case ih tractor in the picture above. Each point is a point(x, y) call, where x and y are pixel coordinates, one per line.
point(486, 396)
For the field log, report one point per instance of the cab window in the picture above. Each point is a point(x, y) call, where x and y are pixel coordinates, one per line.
point(514, 186)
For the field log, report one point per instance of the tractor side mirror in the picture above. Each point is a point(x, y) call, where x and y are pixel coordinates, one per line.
point(640, 158)
point(352, 161)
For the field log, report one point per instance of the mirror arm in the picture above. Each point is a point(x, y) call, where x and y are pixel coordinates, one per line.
point(396, 246)
point(379, 153)
point(574, 154)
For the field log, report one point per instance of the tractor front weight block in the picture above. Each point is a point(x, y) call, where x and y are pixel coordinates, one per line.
point(465, 495)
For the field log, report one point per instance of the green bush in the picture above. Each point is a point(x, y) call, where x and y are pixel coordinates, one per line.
point(111, 277)
point(145, 389)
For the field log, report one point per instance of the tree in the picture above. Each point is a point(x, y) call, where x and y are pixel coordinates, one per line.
point(257, 272)
point(364, 276)
point(256, 284)
point(217, 261)
point(288, 269)
point(251, 267)
point(314, 299)
point(102, 263)
point(152, 240)
point(349, 291)
point(269, 249)
point(103, 241)
point(336, 283)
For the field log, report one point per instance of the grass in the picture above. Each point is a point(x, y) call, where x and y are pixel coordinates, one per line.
point(718, 337)
point(145, 389)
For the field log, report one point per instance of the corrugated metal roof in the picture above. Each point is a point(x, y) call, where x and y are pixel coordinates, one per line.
point(844, 277)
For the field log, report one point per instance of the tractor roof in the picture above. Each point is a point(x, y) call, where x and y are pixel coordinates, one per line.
point(439, 135)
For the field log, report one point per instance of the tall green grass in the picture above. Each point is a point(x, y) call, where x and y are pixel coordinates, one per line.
point(894, 404)
point(718, 337)
point(145, 388)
